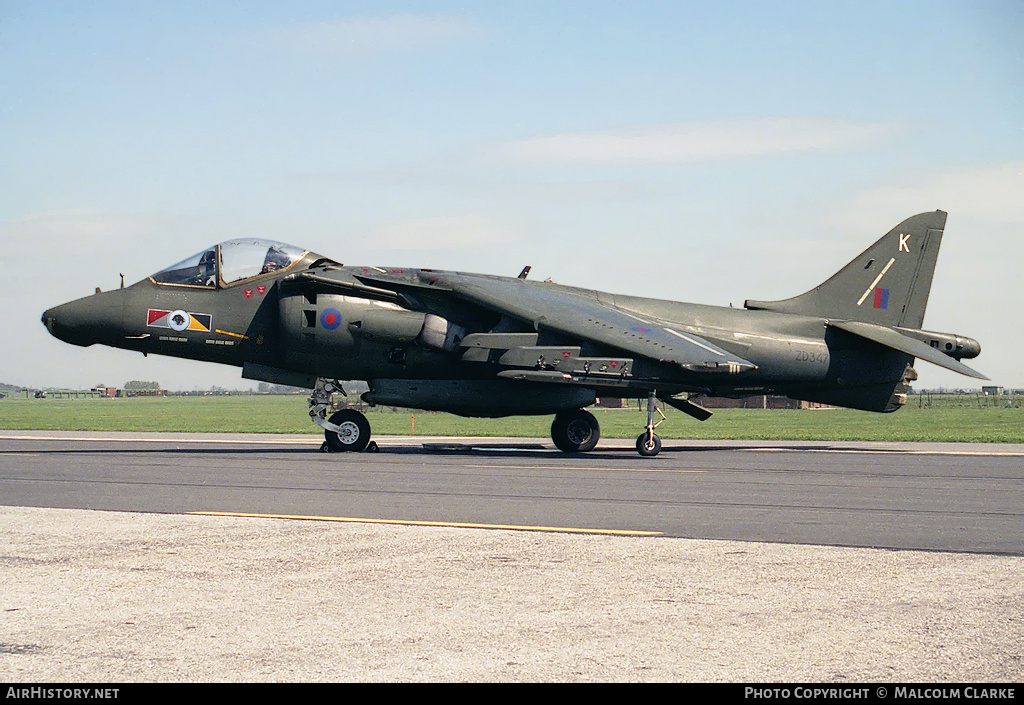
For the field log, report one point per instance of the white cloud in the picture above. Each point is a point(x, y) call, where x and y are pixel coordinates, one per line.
point(371, 35)
point(439, 233)
point(991, 193)
point(699, 140)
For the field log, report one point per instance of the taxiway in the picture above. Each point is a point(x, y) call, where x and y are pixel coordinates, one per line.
point(941, 497)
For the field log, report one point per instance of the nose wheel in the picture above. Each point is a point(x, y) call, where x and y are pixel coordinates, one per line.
point(346, 430)
point(353, 431)
point(648, 444)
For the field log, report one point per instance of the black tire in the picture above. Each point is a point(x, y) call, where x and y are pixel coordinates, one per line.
point(575, 431)
point(648, 444)
point(355, 433)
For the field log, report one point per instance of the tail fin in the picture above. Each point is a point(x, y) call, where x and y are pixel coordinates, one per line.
point(887, 284)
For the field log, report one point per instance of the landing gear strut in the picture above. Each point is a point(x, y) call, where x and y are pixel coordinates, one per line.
point(347, 429)
point(575, 431)
point(647, 443)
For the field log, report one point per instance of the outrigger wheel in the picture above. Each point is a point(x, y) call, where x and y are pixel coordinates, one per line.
point(353, 431)
point(647, 443)
point(575, 431)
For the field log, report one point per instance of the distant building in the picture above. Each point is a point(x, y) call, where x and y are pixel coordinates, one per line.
point(761, 401)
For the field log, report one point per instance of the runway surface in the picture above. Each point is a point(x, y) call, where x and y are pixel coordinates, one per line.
point(943, 497)
point(390, 584)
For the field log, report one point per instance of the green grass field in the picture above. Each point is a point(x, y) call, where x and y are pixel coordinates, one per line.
point(949, 418)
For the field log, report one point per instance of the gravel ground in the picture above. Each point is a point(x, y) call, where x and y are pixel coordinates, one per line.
point(124, 597)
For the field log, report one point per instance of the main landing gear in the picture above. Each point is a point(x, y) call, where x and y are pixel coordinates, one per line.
point(575, 431)
point(346, 430)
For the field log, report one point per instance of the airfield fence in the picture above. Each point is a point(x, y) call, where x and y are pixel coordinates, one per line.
point(970, 400)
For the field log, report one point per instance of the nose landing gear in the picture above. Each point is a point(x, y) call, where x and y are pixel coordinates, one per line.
point(347, 430)
point(353, 432)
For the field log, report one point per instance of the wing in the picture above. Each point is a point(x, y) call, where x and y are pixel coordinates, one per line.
point(575, 313)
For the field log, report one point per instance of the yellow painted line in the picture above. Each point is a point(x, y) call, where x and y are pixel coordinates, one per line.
point(227, 332)
point(451, 524)
point(580, 467)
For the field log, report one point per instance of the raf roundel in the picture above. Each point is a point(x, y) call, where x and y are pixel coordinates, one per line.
point(330, 318)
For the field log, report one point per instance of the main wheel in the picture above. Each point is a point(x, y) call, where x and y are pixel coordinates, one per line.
point(575, 431)
point(353, 434)
point(648, 444)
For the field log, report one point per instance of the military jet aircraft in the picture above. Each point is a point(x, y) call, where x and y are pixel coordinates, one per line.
point(492, 346)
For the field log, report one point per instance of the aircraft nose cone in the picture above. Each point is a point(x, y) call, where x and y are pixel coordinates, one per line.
point(57, 324)
point(93, 319)
point(50, 321)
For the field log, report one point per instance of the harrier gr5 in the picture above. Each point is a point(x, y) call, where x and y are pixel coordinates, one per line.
point(492, 346)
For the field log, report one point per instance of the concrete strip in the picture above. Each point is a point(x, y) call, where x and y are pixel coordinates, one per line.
point(124, 597)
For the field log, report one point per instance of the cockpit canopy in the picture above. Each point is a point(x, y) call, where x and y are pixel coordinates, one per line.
point(231, 262)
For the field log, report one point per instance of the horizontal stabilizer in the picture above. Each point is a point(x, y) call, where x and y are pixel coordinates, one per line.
point(911, 346)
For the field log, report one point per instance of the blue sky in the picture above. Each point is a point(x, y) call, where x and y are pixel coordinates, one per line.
point(707, 152)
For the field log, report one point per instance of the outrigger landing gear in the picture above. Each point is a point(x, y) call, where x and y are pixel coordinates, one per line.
point(575, 431)
point(347, 429)
point(647, 443)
